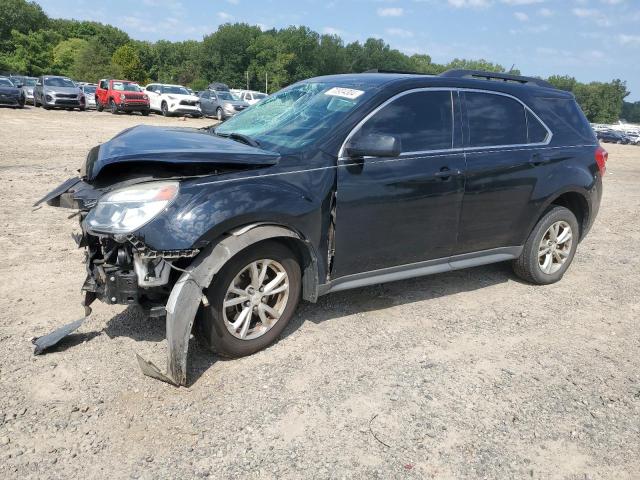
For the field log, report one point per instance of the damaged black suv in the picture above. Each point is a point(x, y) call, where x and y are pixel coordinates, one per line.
point(332, 183)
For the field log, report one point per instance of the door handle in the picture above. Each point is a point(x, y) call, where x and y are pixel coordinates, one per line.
point(539, 159)
point(445, 173)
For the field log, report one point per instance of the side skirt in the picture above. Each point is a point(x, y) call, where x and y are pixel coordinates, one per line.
point(419, 269)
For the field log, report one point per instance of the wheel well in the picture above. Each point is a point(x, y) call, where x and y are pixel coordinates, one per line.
point(578, 206)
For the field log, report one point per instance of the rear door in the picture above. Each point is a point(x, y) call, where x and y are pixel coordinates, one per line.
point(401, 210)
point(505, 152)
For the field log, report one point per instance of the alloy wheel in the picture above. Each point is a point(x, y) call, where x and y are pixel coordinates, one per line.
point(555, 247)
point(256, 299)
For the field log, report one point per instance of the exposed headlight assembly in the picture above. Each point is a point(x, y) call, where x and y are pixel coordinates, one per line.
point(128, 209)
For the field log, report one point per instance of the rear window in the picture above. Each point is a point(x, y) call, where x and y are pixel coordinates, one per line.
point(565, 119)
point(422, 120)
point(495, 120)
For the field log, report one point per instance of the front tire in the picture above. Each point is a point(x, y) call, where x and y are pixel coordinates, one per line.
point(99, 106)
point(164, 108)
point(113, 107)
point(550, 248)
point(219, 114)
point(145, 113)
point(251, 300)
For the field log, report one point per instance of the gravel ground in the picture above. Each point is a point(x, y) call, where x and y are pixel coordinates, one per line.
point(461, 375)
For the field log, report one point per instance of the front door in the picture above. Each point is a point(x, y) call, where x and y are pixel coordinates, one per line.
point(401, 210)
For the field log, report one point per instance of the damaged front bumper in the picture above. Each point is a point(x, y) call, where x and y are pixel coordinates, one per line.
point(122, 269)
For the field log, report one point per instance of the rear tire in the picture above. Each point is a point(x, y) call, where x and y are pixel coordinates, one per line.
point(550, 248)
point(216, 322)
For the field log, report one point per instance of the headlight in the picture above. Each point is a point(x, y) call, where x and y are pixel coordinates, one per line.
point(228, 106)
point(123, 97)
point(127, 209)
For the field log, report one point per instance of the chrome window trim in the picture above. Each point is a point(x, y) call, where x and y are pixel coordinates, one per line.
point(354, 130)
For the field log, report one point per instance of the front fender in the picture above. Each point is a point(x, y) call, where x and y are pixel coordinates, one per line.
point(187, 294)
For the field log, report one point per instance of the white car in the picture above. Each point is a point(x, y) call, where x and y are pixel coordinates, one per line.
point(251, 96)
point(172, 100)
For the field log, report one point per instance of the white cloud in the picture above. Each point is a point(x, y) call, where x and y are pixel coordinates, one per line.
point(399, 32)
point(332, 31)
point(469, 3)
point(521, 2)
point(592, 14)
point(225, 17)
point(625, 39)
point(545, 12)
point(390, 12)
point(523, 17)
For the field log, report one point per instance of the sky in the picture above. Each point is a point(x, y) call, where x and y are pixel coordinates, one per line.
point(592, 40)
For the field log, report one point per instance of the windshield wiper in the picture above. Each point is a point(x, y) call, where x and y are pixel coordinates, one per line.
point(246, 139)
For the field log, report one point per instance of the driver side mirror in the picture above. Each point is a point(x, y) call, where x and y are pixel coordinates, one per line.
point(373, 145)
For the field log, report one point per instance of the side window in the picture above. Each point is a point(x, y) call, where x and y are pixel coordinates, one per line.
point(149, 88)
point(103, 84)
point(205, 95)
point(495, 120)
point(536, 131)
point(422, 120)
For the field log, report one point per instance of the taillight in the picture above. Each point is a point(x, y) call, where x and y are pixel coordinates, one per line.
point(601, 159)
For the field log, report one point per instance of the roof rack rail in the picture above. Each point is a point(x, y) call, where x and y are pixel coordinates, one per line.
point(380, 70)
point(505, 77)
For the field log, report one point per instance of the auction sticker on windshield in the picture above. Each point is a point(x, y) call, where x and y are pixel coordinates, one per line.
point(349, 93)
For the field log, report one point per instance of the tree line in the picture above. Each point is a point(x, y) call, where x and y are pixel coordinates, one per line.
point(238, 54)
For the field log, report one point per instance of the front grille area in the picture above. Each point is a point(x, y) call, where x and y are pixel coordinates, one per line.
point(191, 103)
point(66, 95)
point(7, 99)
point(135, 96)
point(67, 102)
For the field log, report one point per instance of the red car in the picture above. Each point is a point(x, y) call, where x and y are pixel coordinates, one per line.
point(121, 96)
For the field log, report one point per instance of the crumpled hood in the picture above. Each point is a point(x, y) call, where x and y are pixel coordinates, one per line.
point(173, 146)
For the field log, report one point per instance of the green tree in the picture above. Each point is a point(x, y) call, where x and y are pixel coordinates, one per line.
point(65, 55)
point(270, 59)
point(32, 53)
point(93, 63)
point(22, 16)
point(127, 65)
point(601, 102)
point(224, 56)
point(563, 82)
point(631, 112)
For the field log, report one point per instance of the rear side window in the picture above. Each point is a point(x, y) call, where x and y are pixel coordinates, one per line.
point(495, 120)
point(536, 131)
point(422, 120)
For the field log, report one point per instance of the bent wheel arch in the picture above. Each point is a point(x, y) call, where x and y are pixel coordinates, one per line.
point(187, 293)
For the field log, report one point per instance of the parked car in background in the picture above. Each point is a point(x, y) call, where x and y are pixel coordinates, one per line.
point(333, 183)
point(121, 96)
point(220, 104)
point(10, 94)
point(219, 87)
point(52, 91)
point(252, 97)
point(89, 90)
point(611, 136)
point(172, 100)
point(28, 85)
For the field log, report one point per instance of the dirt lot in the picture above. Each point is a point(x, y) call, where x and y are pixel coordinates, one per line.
point(466, 374)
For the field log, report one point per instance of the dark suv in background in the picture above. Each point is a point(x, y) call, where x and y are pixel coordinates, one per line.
point(333, 183)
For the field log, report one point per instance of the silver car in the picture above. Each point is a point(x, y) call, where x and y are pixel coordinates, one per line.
point(58, 92)
point(89, 90)
point(220, 103)
point(28, 85)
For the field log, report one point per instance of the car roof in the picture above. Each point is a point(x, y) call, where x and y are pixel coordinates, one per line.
point(417, 80)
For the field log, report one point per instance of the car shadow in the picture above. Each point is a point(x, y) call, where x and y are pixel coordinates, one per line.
point(387, 295)
point(132, 323)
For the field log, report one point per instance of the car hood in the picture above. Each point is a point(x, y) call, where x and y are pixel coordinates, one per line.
point(236, 103)
point(9, 90)
point(180, 96)
point(75, 90)
point(162, 147)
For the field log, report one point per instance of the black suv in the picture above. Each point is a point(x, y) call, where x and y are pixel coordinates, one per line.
point(333, 183)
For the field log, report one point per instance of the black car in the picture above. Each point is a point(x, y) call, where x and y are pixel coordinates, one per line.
point(333, 183)
point(610, 136)
point(11, 94)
